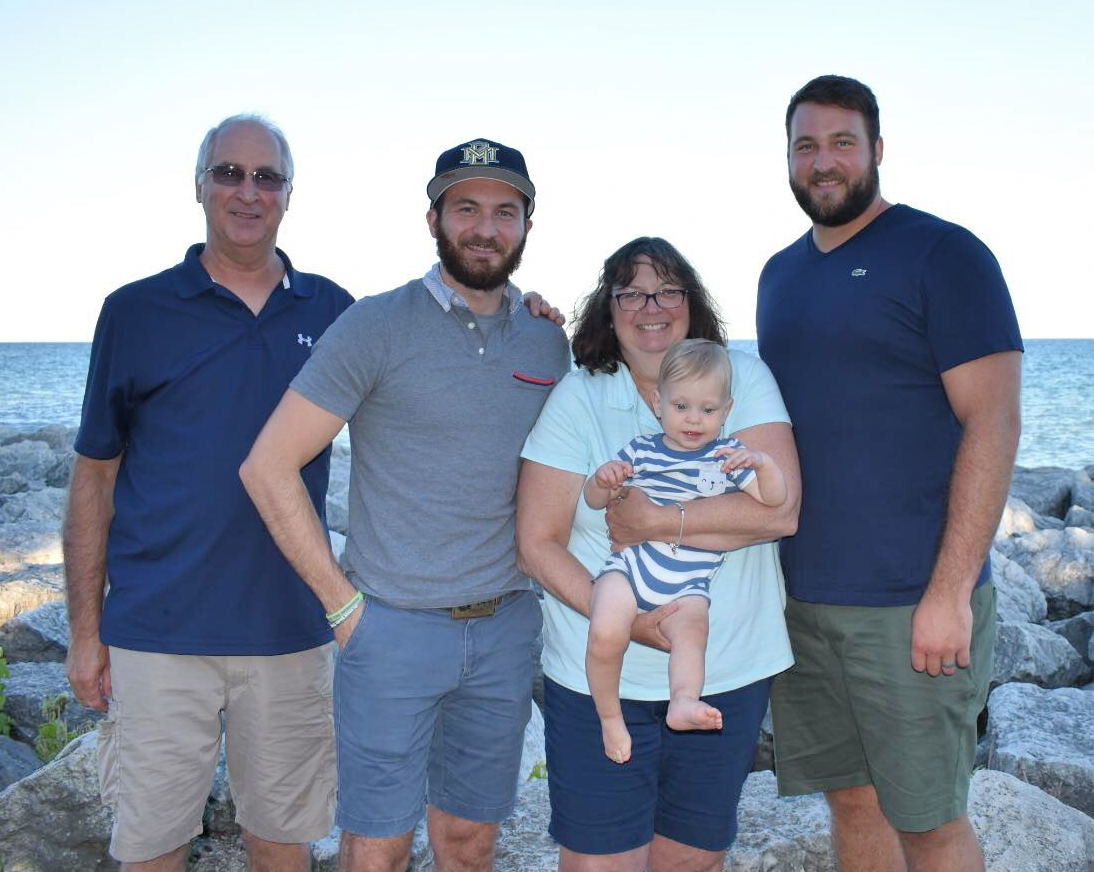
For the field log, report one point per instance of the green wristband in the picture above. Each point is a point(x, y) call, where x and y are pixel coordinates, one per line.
point(337, 617)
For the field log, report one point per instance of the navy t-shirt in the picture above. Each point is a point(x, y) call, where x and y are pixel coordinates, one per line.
point(182, 377)
point(857, 339)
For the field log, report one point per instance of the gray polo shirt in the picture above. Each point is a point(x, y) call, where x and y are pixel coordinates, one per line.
point(438, 410)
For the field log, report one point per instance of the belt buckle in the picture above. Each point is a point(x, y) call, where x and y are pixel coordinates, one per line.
point(475, 610)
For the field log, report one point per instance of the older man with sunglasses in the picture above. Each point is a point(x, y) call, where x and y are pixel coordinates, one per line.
point(205, 627)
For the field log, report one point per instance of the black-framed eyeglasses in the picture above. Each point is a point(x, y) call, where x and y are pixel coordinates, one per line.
point(231, 176)
point(634, 301)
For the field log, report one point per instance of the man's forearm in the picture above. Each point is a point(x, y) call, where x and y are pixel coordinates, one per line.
point(978, 493)
point(87, 523)
point(985, 396)
point(286, 508)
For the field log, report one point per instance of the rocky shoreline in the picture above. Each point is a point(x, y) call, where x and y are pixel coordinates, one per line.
point(1032, 797)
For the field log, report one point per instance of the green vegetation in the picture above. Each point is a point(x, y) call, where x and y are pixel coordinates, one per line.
point(538, 771)
point(54, 734)
point(5, 721)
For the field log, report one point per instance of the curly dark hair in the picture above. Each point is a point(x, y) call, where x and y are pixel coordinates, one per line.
point(595, 346)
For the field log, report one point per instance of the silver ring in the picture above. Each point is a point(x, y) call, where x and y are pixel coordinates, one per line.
point(950, 665)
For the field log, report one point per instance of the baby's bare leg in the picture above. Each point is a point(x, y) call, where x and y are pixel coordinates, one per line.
point(610, 617)
point(687, 630)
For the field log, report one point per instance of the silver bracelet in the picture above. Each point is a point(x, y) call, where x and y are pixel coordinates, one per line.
point(680, 538)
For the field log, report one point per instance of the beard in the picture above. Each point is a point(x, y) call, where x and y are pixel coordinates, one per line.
point(472, 273)
point(860, 194)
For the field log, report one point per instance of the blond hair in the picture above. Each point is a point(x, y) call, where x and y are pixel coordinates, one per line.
point(696, 358)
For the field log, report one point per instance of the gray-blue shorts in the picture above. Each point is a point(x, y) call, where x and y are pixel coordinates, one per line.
point(432, 708)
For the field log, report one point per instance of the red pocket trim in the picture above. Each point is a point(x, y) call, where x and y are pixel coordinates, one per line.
point(532, 380)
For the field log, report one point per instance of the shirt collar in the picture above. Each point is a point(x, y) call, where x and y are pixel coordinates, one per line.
point(622, 392)
point(447, 298)
point(196, 279)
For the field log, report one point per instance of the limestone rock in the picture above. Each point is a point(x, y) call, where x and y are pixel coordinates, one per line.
point(1082, 490)
point(1077, 516)
point(533, 756)
point(765, 744)
point(1032, 653)
point(53, 820)
point(1045, 489)
point(523, 843)
point(40, 634)
point(337, 544)
point(61, 471)
point(56, 436)
point(1023, 829)
point(776, 832)
point(28, 589)
point(1061, 561)
point(1018, 596)
point(1079, 631)
point(17, 760)
point(28, 543)
point(1044, 737)
point(1019, 518)
point(45, 504)
point(32, 684)
point(220, 853)
point(13, 483)
point(219, 817)
point(31, 459)
point(338, 489)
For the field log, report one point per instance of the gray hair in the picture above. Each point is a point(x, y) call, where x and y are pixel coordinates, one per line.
point(207, 144)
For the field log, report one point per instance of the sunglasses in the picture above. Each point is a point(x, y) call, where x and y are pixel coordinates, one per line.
point(231, 176)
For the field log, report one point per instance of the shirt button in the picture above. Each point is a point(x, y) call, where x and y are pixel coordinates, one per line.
point(482, 351)
point(470, 325)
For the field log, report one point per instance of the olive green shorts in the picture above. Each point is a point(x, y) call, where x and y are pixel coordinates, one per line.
point(851, 711)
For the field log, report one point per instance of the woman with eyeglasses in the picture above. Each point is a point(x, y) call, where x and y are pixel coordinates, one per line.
point(673, 804)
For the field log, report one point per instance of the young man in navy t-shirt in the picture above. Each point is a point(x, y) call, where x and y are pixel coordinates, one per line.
point(894, 342)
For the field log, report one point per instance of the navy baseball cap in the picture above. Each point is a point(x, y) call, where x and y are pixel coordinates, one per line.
point(482, 159)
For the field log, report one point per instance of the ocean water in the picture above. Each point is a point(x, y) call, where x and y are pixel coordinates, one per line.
point(42, 383)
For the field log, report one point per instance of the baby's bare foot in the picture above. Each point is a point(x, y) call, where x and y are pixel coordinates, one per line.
point(693, 714)
point(617, 741)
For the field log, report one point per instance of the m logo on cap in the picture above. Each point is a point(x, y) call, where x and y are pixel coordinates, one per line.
point(479, 152)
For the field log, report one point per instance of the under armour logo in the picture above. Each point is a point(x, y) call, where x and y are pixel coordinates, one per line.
point(301, 339)
point(858, 271)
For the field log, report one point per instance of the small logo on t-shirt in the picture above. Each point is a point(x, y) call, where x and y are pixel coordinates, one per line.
point(711, 479)
point(858, 271)
point(301, 339)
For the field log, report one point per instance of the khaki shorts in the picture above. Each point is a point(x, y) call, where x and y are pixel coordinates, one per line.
point(852, 711)
point(160, 742)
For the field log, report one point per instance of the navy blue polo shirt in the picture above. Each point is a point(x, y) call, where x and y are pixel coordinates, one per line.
point(858, 339)
point(182, 377)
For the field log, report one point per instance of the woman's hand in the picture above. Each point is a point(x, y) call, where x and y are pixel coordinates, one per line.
point(633, 519)
point(646, 628)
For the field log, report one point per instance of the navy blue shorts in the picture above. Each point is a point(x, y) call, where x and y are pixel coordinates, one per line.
point(681, 785)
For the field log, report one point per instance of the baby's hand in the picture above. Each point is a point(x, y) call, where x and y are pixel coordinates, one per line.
point(614, 474)
point(743, 457)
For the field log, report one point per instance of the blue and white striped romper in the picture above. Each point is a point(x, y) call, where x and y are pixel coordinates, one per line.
point(666, 476)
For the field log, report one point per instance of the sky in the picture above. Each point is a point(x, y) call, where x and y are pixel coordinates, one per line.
point(636, 118)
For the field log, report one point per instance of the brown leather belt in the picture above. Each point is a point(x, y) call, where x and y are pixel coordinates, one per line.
point(485, 609)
